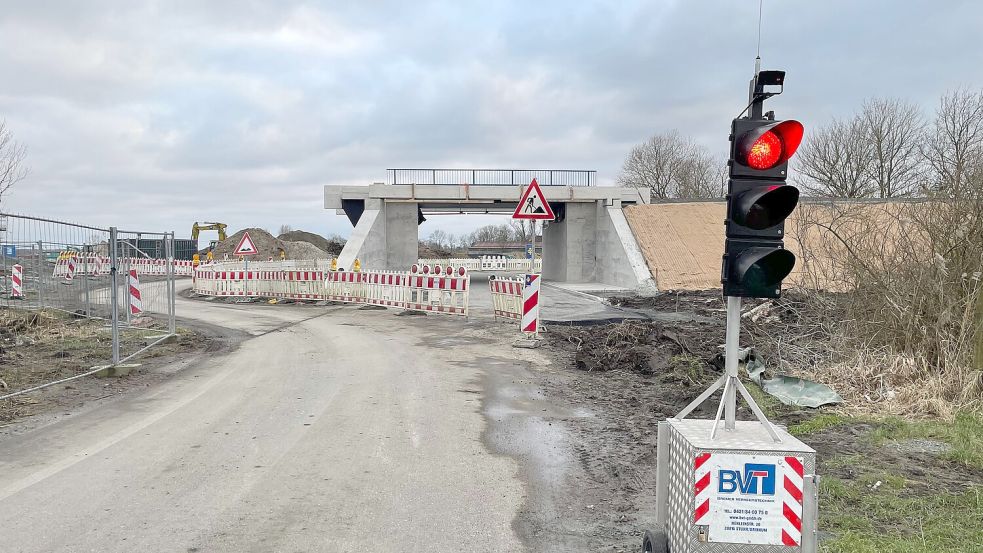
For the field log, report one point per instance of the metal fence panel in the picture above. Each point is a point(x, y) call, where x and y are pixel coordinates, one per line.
point(65, 291)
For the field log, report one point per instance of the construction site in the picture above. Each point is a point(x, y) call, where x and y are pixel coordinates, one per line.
point(605, 309)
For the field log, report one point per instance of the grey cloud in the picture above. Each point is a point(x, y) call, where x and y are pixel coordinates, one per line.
point(246, 108)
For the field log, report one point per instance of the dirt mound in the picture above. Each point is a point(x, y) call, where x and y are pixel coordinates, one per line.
point(643, 347)
point(328, 247)
point(304, 250)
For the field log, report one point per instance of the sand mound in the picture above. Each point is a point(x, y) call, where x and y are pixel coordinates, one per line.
point(304, 250)
point(329, 247)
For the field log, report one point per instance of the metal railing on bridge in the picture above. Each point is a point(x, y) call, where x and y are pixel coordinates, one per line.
point(493, 177)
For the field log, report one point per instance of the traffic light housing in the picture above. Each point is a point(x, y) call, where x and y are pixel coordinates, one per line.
point(758, 201)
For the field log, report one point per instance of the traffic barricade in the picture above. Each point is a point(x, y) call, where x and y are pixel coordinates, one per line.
point(439, 293)
point(506, 295)
point(344, 286)
point(386, 288)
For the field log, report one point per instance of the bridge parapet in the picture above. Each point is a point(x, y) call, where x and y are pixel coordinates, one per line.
point(493, 177)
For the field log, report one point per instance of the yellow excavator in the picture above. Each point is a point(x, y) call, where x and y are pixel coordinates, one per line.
point(220, 227)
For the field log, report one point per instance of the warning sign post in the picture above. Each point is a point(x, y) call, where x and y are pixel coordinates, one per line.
point(532, 206)
point(246, 248)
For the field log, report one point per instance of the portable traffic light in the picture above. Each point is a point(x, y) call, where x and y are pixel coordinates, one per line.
point(758, 202)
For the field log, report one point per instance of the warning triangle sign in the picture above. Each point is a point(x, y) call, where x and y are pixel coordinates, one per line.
point(246, 246)
point(533, 205)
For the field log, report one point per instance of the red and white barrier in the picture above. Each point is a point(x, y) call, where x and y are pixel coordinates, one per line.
point(17, 281)
point(530, 305)
point(70, 272)
point(440, 293)
point(98, 265)
point(497, 263)
point(446, 292)
point(136, 301)
point(506, 297)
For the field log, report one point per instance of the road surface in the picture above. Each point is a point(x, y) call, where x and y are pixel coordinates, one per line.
point(331, 429)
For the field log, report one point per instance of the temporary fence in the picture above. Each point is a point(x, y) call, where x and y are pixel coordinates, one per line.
point(506, 295)
point(66, 290)
point(70, 263)
point(486, 263)
point(426, 288)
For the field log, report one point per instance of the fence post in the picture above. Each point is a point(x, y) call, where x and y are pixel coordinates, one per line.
point(85, 280)
point(114, 291)
point(40, 274)
point(171, 285)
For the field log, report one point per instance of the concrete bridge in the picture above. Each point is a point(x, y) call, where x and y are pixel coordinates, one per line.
point(589, 242)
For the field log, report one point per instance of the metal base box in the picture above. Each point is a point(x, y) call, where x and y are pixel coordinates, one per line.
point(739, 492)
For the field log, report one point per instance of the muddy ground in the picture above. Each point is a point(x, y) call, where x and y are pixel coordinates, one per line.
point(37, 347)
point(629, 376)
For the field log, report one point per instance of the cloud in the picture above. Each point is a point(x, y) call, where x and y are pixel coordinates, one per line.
point(162, 113)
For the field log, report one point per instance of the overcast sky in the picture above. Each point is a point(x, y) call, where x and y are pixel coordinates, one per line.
point(151, 115)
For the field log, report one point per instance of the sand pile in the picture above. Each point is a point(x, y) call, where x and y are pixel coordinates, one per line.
point(330, 247)
point(304, 250)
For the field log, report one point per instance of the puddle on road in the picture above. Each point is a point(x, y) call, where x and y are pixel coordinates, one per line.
point(524, 424)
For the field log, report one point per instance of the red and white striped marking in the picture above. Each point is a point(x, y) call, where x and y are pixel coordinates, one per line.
point(702, 489)
point(70, 274)
point(17, 281)
point(530, 305)
point(791, 492)
point(136, 301)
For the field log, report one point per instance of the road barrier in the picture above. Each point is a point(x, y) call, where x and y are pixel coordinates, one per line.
point(17, 281)
point(70, 269)
point(530, 305)
point(438, 289)
point(506, 296)
point(71, 264)
point(136, 301)
point(499, 263)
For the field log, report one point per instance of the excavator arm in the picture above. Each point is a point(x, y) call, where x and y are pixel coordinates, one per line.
point(220, 227)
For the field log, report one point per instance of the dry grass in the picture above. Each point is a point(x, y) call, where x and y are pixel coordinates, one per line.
point(908, 339)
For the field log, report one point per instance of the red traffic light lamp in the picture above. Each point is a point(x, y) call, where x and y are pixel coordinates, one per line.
point(762, 149)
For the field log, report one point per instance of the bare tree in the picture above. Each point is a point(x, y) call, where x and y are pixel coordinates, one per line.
point(698, 176)
point(955, 146)
point(284, 229)
point(12, 155)
point(522, 229)
point(835, 161)
point(493, 233)
point(441, 239)
point(896, 132)
point(671, 166)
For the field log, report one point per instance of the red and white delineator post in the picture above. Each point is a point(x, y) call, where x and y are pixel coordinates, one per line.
point(136, 300)
point(530, 305)
point(17, 281)
point(749, 486)
point(70, 274)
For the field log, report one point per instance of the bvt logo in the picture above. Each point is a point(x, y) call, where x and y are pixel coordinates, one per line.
point(757, 479)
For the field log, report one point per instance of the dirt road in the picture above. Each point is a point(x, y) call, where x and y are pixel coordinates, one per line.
point(329, 429)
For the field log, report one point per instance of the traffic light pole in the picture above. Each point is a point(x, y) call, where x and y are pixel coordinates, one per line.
point(730, 382)
point(731, 345)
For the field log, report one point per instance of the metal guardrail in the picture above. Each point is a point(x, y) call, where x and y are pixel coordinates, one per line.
point(492, 177)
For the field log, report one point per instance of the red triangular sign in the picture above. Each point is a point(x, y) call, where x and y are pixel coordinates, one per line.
point(246, 246)
point(533, 205)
